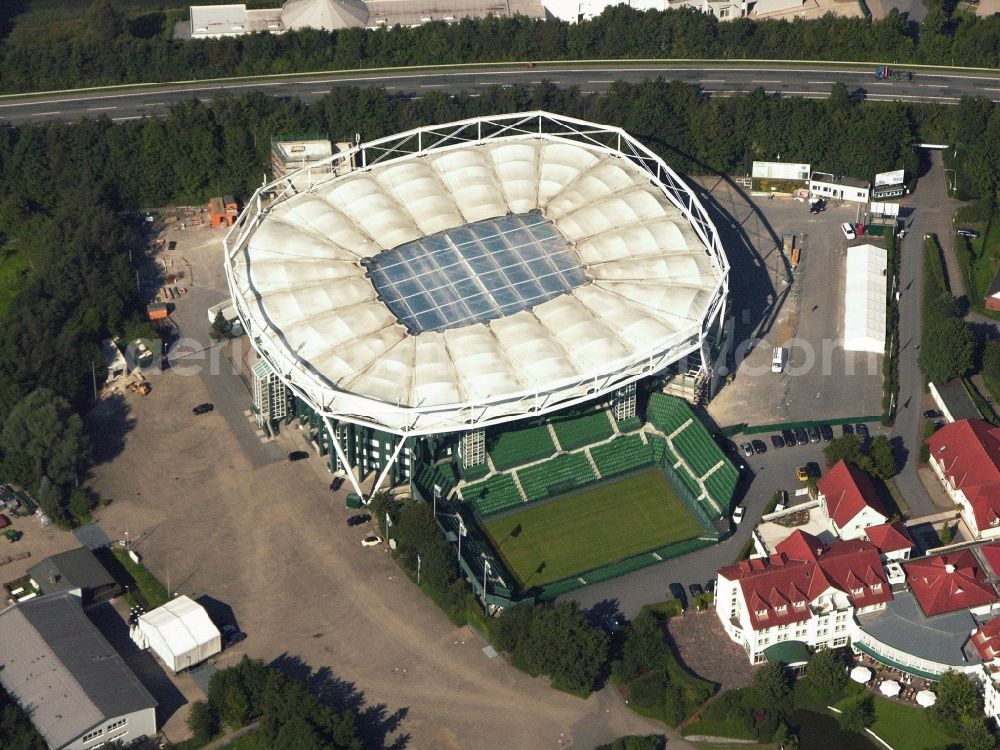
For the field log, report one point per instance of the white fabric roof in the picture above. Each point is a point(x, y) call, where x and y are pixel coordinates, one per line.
point(330, 15)
point(652, 280)
point(864, 299)
point(182, 624)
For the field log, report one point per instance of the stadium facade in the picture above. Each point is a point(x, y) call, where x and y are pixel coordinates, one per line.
point(412, 292)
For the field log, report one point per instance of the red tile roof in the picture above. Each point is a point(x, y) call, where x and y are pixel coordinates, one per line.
point(987, 640)
point(991, 553)
point(969, 453)
point(889, 537)
point(847, 491)
point(801, 571)
point(945, 583)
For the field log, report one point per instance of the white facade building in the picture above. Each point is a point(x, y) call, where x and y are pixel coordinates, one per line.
point(838, 188)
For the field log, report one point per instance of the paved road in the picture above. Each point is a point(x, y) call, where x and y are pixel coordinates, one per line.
point(134, 102)
point(932, 214)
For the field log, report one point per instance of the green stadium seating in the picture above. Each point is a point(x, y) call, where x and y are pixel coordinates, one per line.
point(578, 431)
point(689, 482)
point(492, 495)
point(564, 472)
point(667, 413)
point(630, 425)
point(623, 454)
point(514, 447)
point(722, 484)
point(697, 448)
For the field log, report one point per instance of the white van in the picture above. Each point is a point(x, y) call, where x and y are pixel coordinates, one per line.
point(778, 360)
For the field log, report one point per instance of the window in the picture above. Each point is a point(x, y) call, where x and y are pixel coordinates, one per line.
point(762, 613)
point(116, 724)
point(876, 587)
point(857, 592)
point(781, 609)
point(91, 736)
point(800, 605)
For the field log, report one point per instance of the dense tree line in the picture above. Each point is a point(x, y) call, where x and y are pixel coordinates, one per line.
point(291, 718)
point(946, 343)
point(104, 48)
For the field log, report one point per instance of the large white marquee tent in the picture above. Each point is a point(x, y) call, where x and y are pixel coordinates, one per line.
point(180, 633)
point(864, 299)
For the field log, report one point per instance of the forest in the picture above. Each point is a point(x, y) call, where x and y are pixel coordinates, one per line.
point(65, 233)
point(108, 46)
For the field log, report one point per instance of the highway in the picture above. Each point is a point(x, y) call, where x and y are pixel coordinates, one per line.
point(128, 103)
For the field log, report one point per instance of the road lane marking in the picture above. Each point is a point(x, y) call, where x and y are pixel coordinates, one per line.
point(99, 109)
point(43, 114)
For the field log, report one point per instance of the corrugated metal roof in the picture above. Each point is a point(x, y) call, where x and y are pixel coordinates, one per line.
point(62, 670)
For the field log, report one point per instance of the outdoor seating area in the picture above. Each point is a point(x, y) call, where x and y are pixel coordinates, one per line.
point(892, 683)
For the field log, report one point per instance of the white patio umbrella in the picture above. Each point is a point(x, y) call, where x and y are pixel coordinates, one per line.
point(889, 688)
point(861, 674)
point(926, 698)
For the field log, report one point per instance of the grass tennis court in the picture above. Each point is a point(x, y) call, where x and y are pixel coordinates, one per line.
point(557, 539)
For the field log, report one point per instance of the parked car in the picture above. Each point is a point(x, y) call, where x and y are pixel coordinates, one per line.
point(696, 589)
point(202, 409)
point(747, 449)
point(848, 231)
point(371, 540)
point(710, 586)
point(813, 435)
point(862, 430)
point(802, 472)
point(759, 446)
point(777, 441)
point(818, 206)
point(932, 414)
point(298, 455)
point(826, 432)
point(800, 437)
point(789, 437)
point(738, 512)
point(358, 519)
point(847, 429)
point(966, 232)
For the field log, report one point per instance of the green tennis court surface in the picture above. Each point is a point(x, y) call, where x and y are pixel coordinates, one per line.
point(563, 537)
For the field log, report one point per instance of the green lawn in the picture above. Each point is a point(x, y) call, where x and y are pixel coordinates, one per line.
point(586, 530)
point(907, 727)
point(152, 591)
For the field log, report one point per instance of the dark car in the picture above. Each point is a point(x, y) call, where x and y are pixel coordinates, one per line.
point(800, 437)
point(677, 592)
point(358, 519)
point(202, 409)
point(696, 589)
point(862, 430)
point(297, 455)
point(759, 447)
point(847, 429)
point(819, 205)
point(777, 441)
point(813, 435)
point(710, 586)
point(965, 232)
point(826, 431)
point(789, 437)
point(932, 414)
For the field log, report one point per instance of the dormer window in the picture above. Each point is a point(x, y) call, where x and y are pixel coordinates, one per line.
point(876, 587)
point(762, 613)
point(781, 609)
point(857, 592)
point(800, 604)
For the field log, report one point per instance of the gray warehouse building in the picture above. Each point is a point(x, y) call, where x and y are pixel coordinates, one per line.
point(75, 687)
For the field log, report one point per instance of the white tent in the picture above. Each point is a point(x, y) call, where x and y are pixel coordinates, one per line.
point(864, 299)
point(926, 698)
point(181, 633)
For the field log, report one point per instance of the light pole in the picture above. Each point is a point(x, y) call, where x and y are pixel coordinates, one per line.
point(486, 570)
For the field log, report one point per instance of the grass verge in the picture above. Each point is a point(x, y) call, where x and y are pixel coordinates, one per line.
point(907, 727)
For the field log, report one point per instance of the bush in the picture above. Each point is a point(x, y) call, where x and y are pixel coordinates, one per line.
point(635, 742)
point(202, 722)
point(826, 675)
point(857, 714)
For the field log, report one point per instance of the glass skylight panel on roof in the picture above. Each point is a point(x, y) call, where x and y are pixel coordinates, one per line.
point(476, 273)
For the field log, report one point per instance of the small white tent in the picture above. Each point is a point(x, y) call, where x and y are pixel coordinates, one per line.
point(864, 299)
point(180, 632)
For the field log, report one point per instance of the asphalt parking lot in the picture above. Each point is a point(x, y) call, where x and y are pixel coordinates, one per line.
point(218, 512)
point(801, 308)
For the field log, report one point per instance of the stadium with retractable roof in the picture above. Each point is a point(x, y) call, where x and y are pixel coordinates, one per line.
point(494, 312)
